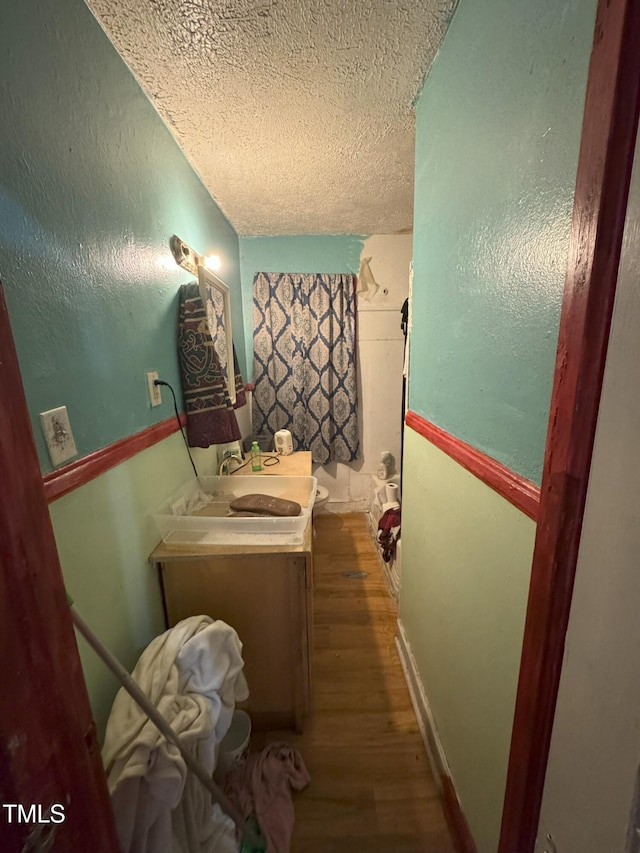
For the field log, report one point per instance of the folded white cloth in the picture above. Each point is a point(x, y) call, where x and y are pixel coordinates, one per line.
point(193, 675)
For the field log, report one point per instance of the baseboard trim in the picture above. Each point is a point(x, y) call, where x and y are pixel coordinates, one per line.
point(339, 507)
point(64, 480)
point(458, 823)
point(520, 492)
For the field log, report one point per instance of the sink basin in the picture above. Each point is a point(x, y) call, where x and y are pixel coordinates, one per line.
point(197, 513)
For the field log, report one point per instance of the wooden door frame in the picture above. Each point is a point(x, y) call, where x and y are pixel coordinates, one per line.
point(602, 187)
point(49, 752)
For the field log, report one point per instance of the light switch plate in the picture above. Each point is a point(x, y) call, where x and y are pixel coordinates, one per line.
point(58, 435)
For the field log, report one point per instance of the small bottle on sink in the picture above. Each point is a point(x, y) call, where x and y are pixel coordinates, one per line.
point(256, 457)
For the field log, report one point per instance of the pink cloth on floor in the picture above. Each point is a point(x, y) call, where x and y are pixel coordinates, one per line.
point(263, 787)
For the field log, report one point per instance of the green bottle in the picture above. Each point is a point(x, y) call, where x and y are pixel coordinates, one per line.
point(256, 457)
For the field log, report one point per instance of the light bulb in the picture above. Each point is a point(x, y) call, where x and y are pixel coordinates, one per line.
point(213, 262)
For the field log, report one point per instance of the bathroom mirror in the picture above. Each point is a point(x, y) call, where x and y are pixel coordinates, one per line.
point(215, 297)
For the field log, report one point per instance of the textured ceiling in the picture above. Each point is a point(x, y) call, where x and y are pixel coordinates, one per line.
point(296, 114)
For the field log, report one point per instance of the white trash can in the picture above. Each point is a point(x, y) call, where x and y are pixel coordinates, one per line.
point(234, 746)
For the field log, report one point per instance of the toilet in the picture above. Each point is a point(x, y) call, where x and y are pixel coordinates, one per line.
point(322, 496)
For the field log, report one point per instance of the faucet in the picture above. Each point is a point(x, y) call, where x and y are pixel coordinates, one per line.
point(230, 463)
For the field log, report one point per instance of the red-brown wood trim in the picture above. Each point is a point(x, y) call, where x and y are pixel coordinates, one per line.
point(602, 185)
point(456, 819)
point(49, 752)
point(76, 474)
point(520, 492)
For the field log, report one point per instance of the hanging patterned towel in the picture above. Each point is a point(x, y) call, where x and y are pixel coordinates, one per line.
point(210, 415)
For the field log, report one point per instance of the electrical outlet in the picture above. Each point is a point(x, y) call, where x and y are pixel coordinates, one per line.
point(58, 435)
point(155, 395)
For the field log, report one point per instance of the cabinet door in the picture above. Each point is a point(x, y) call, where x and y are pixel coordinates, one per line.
point(259, 596)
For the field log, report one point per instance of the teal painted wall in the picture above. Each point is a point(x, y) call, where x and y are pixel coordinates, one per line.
point(321, 253)
point(92, 186)
point(498, 130)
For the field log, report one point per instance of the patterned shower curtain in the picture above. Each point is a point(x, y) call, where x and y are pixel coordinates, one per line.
point(304, 363)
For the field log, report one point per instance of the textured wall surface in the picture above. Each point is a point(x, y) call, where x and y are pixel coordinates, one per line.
point(92, 186)
point(296, 113)
point(498, 130)
point(466, 559)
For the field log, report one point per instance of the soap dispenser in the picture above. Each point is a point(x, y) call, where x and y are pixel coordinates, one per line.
point(256, 457)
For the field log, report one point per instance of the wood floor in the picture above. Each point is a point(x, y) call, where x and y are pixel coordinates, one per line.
point(371, 787)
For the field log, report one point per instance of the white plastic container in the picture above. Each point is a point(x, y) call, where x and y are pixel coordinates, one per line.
point(186, 520)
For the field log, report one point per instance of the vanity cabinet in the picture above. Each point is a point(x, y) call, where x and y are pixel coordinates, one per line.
point(265, 593)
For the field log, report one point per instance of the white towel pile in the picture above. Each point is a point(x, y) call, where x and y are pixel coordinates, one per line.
point(193, 675)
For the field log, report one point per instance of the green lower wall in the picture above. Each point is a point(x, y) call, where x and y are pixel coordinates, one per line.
point(105, 532)
point(466, 559)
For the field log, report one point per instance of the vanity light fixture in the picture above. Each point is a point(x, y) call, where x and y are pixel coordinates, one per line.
point(190, 260)
point(185, 256)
